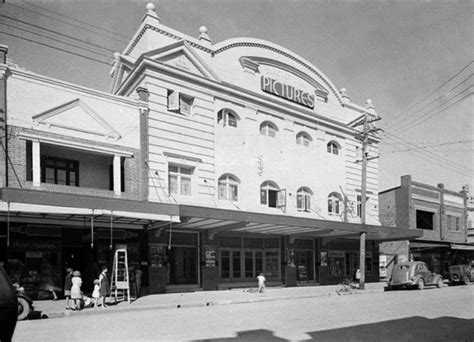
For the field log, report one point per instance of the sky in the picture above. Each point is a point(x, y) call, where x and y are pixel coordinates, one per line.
point(413, 59)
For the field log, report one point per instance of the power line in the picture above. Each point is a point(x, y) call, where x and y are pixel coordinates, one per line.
point(406, 112)
point(57, 33)
point(56, 48)
point(54, 39)
point(428, 114)
point(69, 23)
point(437, 144)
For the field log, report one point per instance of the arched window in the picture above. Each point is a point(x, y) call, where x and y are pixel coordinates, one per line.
point(269, 194)
point(303, 139)
point(333, 147)
point(269, 129)
point(229, 187)
point(227, 117)
point(334, 203)
point(303, 199)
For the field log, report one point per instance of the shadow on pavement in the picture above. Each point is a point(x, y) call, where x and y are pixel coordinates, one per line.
point(406, 329)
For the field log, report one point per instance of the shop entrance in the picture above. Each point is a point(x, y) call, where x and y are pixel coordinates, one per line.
point(182, 265)
point(304, 265)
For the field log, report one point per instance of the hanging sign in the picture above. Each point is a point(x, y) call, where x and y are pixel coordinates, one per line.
point(286, 91)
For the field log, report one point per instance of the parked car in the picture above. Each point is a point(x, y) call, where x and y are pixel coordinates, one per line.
point(8, 307)
point(461, 274)
point(413, 274)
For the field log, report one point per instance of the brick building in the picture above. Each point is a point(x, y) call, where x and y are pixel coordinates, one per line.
point(441, 215)
point(210, 162)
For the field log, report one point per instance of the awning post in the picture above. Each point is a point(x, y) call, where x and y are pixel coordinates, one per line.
point(8, 224)
point(92, 229)
point(111, 228)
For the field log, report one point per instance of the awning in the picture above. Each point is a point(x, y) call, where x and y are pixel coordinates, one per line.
point(462, 247)
point(418, 244)
point(221, 220)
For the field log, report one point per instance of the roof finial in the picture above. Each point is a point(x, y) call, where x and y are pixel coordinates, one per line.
point(344, 95)
point(203, 34)
point(150, 10)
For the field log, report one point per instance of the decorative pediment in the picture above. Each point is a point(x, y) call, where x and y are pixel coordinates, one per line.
point(77, 116)
point(180, 55)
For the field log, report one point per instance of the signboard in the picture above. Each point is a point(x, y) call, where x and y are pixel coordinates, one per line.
point(210, 256)
point(382, 266)
point(286, 91)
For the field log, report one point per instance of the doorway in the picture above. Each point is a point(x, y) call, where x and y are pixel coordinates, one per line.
point(304, 266)
point(183, 262)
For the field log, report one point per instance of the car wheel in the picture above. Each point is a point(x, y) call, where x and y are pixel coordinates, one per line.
point(23, 309)
point(466, 280)
point(420, 284)
point(439, 283)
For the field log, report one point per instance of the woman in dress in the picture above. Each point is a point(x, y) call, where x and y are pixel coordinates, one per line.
point(104, 286)
point(76, 294)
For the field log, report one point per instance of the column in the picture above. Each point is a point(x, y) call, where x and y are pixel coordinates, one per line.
point(117, 175)
point(36, 163)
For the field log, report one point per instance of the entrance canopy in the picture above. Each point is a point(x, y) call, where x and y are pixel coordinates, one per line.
point(220, 220)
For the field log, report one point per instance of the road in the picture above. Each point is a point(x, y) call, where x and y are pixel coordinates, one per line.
point(445, 314)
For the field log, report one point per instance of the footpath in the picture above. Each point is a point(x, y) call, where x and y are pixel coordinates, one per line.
point(56, 308)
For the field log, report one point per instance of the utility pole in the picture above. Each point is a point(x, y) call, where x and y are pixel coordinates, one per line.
point(364, 137)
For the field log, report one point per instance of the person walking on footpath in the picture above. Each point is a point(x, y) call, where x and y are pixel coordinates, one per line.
point(96, 293)
point(104, 286)
point(67, 287)
point(261, 282)
point(76, 294)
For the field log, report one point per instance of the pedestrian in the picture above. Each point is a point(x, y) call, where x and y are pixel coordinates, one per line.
point(358, 274)
point(261, 282)
point(104, 286)
point(76, 294)
point(96, 293)
point(67, 287)
point(138, 277)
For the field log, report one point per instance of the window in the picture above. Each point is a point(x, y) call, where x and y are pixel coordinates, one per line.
point(179, 103)
point(453, 223)
point(228, 187)
point(179, 178)
point(269, 129)
point(269, 194)
point(424, 219)
point(303, 199)
point(226, 117)
point(359, 205)
point(303, 139)
point(59, 171)
point(334, 203)
point(333, 147)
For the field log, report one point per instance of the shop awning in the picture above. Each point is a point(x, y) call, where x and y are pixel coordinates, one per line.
point(462, 247)
point(24, 205)
point(222, 220)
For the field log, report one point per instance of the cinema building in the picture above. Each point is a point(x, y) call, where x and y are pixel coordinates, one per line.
point(210, 162)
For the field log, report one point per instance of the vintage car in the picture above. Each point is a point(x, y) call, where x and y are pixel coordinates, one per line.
point(8, 307)
point(413, 274)
point(461, 274)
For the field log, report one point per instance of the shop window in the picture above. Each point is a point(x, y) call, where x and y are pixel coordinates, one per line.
point(225, 264)
point(179, 103)
point(236, 272)
point(59, 171)
point(333, 147)
point(269, 194)
point(334, 203)
point(228, 187)
point(424, 219)
point(227, 117)
point(268, 129)
point(303, 199)
point(179, 179)
point(303, 139)
point(272, 264)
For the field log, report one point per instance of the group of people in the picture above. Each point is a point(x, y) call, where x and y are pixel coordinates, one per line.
point(73, 292)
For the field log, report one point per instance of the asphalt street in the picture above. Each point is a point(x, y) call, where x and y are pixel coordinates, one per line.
point(445, 314)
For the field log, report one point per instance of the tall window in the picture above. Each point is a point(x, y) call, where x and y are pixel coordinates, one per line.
point(333, 147)
point(359, 205)
point(303, 139)
point(334, 203)
point(179, 178)
point(303, 199)
point(226, 117)
point(179, 103)
point(269, 129)
point(453, 223)
point(228, 187)
point(59, 171)
point(269, 194)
